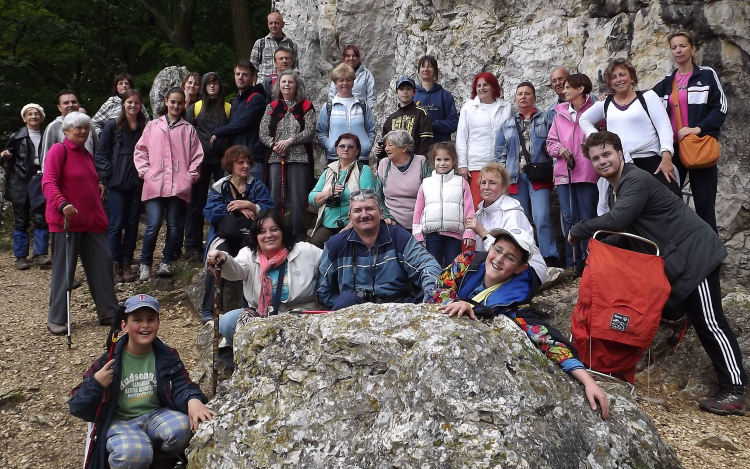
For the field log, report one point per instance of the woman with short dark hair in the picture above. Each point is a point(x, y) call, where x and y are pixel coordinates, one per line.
point(113, 105)
point(436, 100)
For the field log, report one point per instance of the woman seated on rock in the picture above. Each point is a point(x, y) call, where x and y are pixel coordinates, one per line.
point(500, 282)
point(233, 202)
point(271, 253)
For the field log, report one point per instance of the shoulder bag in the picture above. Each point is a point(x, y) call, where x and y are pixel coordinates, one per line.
point(537, 172)
point(695, 152)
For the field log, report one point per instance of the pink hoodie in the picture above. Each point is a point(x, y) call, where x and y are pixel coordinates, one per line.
point(565, 132)
point(168, 160)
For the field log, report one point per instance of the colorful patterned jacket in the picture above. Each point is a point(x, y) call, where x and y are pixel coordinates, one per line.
point(462, 281)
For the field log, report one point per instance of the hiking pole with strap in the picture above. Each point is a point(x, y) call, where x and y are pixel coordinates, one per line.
point(112, 336)
point(218, 294)
point(282, 186)
point(67, 276)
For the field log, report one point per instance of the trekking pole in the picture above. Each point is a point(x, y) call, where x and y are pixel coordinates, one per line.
point(571, 164)
point(282, 186)
point(2, 198)
point(114, 331)
point(67, 275)
point(218, 293)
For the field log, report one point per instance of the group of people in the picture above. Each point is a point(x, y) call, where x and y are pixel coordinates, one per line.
point(433, 221)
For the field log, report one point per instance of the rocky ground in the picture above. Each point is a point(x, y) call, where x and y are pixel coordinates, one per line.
point(37, 372)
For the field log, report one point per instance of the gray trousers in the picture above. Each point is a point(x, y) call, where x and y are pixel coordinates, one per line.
point(296, 190)
point(97, 264)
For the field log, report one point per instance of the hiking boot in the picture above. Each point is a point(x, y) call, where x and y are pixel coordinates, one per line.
point(118, 273)
point(165, 270)
point(730, 400)
point(193, 255)
point(57, 329)
point(144, 272)
point(206, 316)
point(22, 263)
point(127, 274)
point(42, 261)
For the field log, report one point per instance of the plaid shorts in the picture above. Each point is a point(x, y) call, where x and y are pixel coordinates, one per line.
point(129, 442)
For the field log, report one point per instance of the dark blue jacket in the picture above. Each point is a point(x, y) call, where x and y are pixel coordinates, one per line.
point(707, 103)
point(441, 108)
point(173, 384)
point(114, 157)
point(401, 261)
point(244, 121)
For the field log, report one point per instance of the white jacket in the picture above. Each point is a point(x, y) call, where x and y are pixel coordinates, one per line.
point(301, 275)
point(443, 203)
point(507, 213)
point(475, 138)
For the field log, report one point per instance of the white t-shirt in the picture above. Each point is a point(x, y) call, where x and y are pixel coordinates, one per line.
point(36, 139)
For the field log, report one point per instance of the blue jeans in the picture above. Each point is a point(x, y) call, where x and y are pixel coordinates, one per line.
point(124, 213)
point(443, 248)
point(175, 208)
point(259, 170)
point(228, 324)
point(537, 203)
point(585, 196)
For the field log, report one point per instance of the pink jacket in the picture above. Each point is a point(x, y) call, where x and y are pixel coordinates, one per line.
point(71, 179)
point(168, 160)
point(565, 132)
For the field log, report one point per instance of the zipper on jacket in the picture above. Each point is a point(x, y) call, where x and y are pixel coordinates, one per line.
point(442, 179)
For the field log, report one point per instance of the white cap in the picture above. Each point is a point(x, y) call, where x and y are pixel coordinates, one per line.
point(35, 106)
point(523, 239)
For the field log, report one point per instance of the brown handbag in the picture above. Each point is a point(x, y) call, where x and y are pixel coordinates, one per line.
point(695, 152)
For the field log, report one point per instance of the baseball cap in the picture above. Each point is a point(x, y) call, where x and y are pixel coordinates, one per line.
point(406, 79)
point(523, 239)
point(141, 301)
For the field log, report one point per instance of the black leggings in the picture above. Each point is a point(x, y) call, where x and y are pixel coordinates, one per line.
point(651, 164)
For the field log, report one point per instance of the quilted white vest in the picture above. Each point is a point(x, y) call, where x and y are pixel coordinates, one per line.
point(443, 203)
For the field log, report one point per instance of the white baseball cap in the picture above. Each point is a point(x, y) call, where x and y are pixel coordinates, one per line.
point(523, 239)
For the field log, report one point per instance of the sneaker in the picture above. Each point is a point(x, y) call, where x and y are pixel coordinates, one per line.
point(144, 272)
point(730, 400)
point(118, 273)
point(22, 263)
point(127, 274)
point(42, 261)
point(165, 270)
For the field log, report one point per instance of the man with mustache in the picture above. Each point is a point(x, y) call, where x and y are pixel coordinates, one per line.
point(374, 262)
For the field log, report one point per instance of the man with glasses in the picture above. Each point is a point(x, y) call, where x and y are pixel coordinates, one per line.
point(374, 262)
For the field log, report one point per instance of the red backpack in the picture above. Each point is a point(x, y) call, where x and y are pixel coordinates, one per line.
point(620, 300)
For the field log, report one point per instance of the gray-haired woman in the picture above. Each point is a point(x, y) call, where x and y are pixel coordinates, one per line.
point(399, 177)
point(288, 129)
point(71, 186)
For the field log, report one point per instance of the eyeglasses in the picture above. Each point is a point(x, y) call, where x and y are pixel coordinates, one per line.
point(508, 256)
point(345, 147)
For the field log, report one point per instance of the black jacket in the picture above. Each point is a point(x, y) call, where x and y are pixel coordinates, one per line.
point(20, 167)
point(114, 157)
point(645, 207)
point(207, 122)
point(707, 103)
point(173, 384)
point(244, 121)
point(414, 120)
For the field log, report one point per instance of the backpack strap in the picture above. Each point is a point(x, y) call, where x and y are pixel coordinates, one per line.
point(197, 107)
point(606, 104)
point(329, 107)
point(250, 97)
point(227, 109)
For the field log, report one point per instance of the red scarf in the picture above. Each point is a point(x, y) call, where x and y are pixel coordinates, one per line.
point(266, 284)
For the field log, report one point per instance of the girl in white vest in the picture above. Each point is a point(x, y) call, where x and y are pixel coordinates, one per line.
point(444, 202)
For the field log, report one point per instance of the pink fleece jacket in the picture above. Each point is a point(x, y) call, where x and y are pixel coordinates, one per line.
point(565, 132)
point(72, 179)
point(168, 160)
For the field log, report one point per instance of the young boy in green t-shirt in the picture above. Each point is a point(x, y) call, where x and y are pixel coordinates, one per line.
point(150, 405)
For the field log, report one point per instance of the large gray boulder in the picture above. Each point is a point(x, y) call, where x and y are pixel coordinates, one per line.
point(384, 386)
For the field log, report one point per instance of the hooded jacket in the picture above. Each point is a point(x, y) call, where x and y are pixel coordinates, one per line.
point(565, 132)
point(363, 88)
point(20, 166)
point(206, 122)
point(506, 212)
point(441, 108)
point(353, 119)
point(414, 120)
point(244, 121)
point(168, 159)
point(643, 206)
point(173, 385)
point(477, 130)
point(114, 157)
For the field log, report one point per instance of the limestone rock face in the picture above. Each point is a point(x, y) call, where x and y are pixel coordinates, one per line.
point(165, 80)
point(520, 41)
point(384, 386)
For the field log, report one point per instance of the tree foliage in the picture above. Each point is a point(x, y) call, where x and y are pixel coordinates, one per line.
point(48, 45)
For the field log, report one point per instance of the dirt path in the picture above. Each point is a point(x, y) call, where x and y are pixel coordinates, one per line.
point(37, 372)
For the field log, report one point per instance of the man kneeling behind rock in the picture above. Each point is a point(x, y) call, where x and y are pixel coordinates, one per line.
point(499, 282)
point(374, 262)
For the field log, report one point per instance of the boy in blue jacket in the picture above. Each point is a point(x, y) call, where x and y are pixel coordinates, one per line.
point(149, 406)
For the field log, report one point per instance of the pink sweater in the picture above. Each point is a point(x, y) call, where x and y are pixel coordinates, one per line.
point(72, 179)
point(566, 132)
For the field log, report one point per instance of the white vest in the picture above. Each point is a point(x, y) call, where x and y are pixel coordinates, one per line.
point(443, 203)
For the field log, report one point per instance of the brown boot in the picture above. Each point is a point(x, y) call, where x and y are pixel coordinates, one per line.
point(118, 272)
point(22, 263)
point(127, 274)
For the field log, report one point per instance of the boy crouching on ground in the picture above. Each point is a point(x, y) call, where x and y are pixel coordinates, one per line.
point(150, 405)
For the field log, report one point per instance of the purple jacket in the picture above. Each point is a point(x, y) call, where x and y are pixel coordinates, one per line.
point(168, 160)
point(565, 132)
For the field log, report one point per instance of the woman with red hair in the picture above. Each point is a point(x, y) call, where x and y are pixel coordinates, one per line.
point(478, 124)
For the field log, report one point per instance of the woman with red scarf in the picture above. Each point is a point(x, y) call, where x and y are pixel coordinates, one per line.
point(270, 255)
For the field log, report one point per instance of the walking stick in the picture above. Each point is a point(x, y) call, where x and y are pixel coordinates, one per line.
point(218, 293)
point(571, 164)
point(2, 197)
point(67, 275)
point(282, 186)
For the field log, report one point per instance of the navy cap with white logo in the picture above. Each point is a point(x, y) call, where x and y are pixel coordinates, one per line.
point(141, 301)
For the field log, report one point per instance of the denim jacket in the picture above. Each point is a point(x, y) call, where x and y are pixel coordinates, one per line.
point(507, 143)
